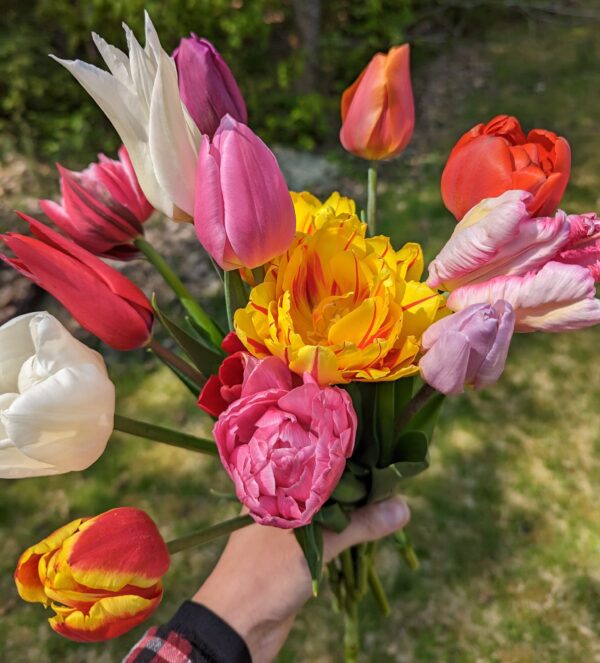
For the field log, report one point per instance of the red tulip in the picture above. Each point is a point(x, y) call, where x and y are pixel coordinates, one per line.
point(100, 298)
point(102, 207)
point(495, 157)
point(378, 114)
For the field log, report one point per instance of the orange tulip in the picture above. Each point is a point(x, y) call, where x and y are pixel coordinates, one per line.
point(101, 576)
point(496, 157)
point(378, 113)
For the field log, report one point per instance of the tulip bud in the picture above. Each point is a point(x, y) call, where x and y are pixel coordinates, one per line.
point(102, 208)
point(468, 348)
point(206, 85)
point(244, 214)
point(57, 403)
point(101, 575)
point(495, 157)
point(378, 114)
point(100, 298)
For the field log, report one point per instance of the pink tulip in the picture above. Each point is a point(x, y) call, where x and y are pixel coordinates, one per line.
point(244, 214)
point(498, 238)
point(584, 243)
point(206, 84)
point(468, 348)
point(557, 298)
point(285, 443)
point(102, 207)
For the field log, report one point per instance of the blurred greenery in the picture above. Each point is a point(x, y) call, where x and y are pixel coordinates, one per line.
point(506, 520)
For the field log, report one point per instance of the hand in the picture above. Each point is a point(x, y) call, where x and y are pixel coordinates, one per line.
point(261, 580)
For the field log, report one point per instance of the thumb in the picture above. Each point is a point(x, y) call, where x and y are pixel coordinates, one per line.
point(367, 524)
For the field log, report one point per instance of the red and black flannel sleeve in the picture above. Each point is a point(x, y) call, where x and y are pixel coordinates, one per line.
point(195, 634)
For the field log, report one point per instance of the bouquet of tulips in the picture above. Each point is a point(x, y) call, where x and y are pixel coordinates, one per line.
point(326, 387)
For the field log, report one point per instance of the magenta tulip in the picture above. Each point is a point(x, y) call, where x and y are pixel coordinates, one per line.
point(468, 348)
point(285, 442)
point(498, 237)
point(557, 298)
point(102, 207)
point(206, 85)
point(244, 214)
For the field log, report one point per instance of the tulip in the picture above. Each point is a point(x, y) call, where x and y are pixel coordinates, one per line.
point(140, 97)
point(244, 214)
point(100, 298)
point(206, 84)
point(468, 348)
point(557, 298)
point(285, 446)
point(584, 243)
point(102, 208)
point(498, 237)
point(495, 157)
point(101, 575)
point(56, 401)
point(378, 114)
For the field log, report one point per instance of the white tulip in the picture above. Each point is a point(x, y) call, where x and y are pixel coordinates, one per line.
point(57, 402)
point(140, 96)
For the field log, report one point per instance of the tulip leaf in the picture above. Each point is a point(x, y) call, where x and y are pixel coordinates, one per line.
point(187, 381)
point(349, 490)
point(205, 359)
point(390, 399)
point(310, 538)
point(426, 418)
point(384, 484)
point(366, 450)
point(236, 294)
point(411, 453)
point(333, 517)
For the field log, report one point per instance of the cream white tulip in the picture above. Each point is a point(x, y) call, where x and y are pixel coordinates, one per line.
point(140, 96)
point(57, 402)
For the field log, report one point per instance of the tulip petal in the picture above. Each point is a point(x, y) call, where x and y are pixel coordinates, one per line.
point(16, 346)
point(445, 365)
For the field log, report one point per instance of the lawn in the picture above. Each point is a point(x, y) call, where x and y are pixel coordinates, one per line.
point(506, 520)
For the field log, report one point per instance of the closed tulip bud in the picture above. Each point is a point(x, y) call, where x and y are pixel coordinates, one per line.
point(101, 575)
point(206, 84)
point(100, 298)
point(57, 403)
point(102, 207)
point(495, 157)
point(468, 348)
point(378, 114)
point(244, 214)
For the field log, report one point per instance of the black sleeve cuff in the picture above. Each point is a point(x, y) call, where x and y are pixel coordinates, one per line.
point(213, 640)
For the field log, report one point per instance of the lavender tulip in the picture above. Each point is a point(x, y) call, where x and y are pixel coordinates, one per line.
point(206, 84)
point(244, 214)
point(468, 348)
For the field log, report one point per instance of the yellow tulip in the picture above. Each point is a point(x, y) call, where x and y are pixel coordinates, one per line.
point(339, 305)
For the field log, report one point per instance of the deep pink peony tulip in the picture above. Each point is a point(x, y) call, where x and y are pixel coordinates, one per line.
point(468, 348)
point(557, 298)
point(244, 215)
point(206, 84)
point(285, 443)
point(498, 237)
point(102, 207)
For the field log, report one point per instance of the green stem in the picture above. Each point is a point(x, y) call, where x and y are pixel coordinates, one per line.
point(372, 199)
point(208, 534)
point(407, 551)
point(197, 313)
point(348, 572)
point(378, 591)
point(259, 274)
point(363, 560)
point(165, 435)
point(413, 406)
point(351, 636)
point(180, 364)
point(235, 294)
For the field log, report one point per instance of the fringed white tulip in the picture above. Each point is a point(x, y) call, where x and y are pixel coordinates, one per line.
point(57, 402)
point(140, 96)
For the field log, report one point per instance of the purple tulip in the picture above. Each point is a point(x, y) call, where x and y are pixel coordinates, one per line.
point(206, 84)
point(244, 215)
point(468, 348)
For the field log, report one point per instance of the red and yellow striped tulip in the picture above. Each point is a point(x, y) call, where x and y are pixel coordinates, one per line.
point(341, 306)
point(101, 575)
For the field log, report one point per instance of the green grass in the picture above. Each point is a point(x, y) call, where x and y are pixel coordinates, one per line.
point(505, 521)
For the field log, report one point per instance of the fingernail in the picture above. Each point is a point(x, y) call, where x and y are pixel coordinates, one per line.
point(395, 513)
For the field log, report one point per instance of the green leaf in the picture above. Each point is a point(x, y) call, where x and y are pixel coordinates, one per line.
point(384, 484)
point(349, 490)
point(187, 381)
point(333, 517)
point(310, 538)
point(366, 450)
point(426, 418)
point(411, 453)
point(204, 358)
point(236, 294)
point(390, 399)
